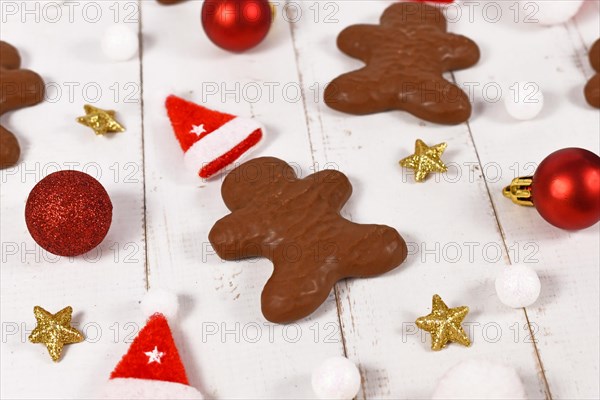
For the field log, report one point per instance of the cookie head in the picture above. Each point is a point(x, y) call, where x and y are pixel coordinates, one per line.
point(259, 177)
point(416, 14)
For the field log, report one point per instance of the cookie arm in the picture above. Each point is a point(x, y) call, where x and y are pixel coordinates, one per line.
point(459, 52)
point(355, 40)
point(233, 238)
point(358, 92)
point(592, 91)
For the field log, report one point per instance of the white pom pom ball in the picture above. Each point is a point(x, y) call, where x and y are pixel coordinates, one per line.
point(120, 43)
point(479, 379)
point(524, 100)
point(160, 301)
point(518, 286)
point(550, 12)
point(337, 378)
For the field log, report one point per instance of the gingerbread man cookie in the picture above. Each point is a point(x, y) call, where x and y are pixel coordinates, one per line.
point(18, 88)
point(169, 2)
point(592, 89)
point(296, 223)
point(405, 57)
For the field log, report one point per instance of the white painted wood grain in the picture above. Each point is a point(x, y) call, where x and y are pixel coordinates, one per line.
point(567, 335)
point(230, 349)
point(103, 287)
point(450, 225)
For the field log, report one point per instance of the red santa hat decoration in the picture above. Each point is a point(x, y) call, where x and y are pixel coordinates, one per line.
point(211, 140)
point(152, 368)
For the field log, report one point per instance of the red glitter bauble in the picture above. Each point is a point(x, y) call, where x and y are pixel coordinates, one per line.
point(236, 25)
point(566, 188)
point(68, 213)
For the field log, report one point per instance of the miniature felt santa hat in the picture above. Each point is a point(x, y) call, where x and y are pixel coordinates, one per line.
point(152, 368)
point(211, 140)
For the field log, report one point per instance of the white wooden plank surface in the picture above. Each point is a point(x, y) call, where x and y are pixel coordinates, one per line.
point(568, 338)
point(460, 230)
point(459, 264)
point(267, 360)
point(103, 286)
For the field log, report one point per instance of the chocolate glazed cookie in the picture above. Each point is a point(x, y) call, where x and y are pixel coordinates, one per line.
point(405, 57)
point(169, 2)
point(296, 223)
point(592, 89)
point(18, 88)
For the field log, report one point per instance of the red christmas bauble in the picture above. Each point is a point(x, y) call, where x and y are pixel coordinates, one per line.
point(236, 25)
point(68, 213)
point(566, 188)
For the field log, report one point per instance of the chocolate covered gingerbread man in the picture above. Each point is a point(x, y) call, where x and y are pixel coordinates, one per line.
point(18, 88)
point(405, 57)
point(296, 223)
point(592, 89)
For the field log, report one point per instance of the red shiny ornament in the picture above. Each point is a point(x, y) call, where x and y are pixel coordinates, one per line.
point(68, 213)
point(236, 25)
point(566, 188)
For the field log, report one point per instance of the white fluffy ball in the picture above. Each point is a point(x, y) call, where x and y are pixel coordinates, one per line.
point(550, 12)
point(481, 380)
point(120, 43)
point(524, 100)
point(518, 286)
point(160, 301)
point(337, 378)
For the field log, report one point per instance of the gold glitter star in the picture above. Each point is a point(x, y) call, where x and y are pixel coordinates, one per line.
point(101, 121)
point(444, 324)
point(425, 160)
point(54, 330)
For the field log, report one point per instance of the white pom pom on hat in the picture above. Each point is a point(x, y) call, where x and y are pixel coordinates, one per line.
point(160, 301)
point(481, 380)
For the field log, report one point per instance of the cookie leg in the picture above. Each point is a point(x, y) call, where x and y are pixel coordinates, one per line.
point(288, 296)
point(20, 88)
point(434, 100)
